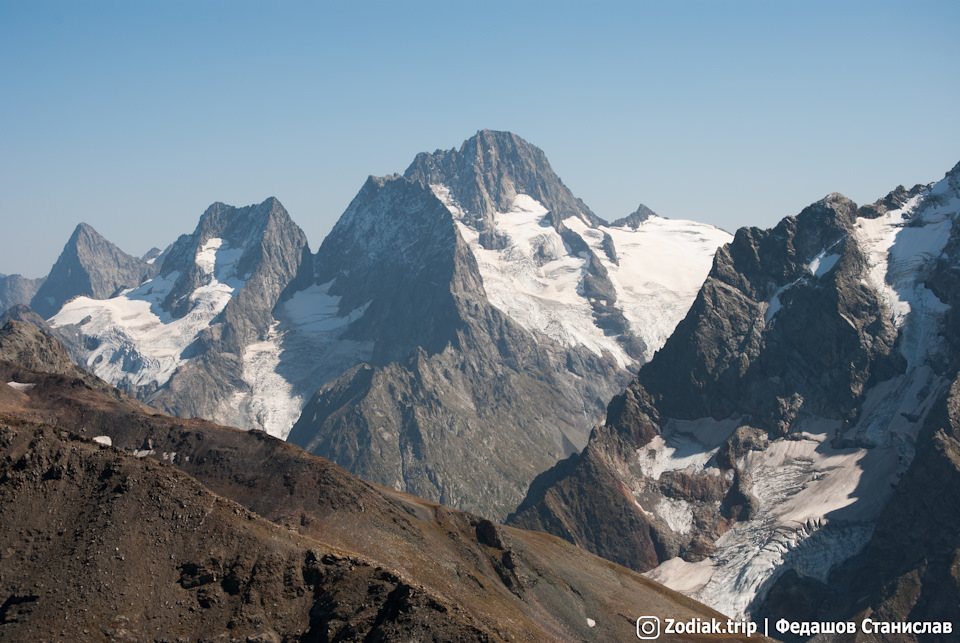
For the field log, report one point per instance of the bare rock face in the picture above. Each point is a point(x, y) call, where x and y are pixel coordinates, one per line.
point(448, 371)
point(89, 265)
point(634, 219)
point(258, 250)
point(30, 347)
point(813, 359)
point(16, 290)
point(491, 169)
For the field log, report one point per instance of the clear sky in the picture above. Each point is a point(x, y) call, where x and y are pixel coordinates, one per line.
point(135, 116)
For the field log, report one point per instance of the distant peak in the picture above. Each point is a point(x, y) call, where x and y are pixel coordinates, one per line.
point(633, 220)
point(84, 230)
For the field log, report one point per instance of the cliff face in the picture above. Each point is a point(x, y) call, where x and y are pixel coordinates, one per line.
point(784, 410)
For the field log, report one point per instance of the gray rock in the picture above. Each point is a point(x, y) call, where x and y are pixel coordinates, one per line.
point(89, 265)
point(16, 290)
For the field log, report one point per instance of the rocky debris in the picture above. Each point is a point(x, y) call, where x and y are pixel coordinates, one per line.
point(25, 314)
point(146, 547)
point(31, 348)
point(88, 265)
point(740, 504)
point(142, 551)
point(744, 439)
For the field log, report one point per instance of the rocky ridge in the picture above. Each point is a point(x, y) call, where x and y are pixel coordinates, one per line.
point(406, 340)
point(144, 551)
point(763, 440)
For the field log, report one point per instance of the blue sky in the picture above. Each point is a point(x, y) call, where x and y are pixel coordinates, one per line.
point(134, 117)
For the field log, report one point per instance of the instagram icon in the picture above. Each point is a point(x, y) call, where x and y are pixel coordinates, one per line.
point(648, 627)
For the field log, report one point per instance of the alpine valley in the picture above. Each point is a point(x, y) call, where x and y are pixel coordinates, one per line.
point(783, 439)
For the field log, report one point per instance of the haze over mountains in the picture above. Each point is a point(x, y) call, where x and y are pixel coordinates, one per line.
point(780, 398)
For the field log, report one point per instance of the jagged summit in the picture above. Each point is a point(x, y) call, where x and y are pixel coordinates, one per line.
point(178, 339)
point(89, 265)
point(441, 301)
point(233, 246)
point(641, 214)
point(488, 172)
point(471, 283)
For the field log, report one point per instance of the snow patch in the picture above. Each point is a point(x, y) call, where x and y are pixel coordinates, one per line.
point(684, 445)
point(19, 386)
point(271, 401)
point(678, 514)
point(103, 439)
point(662, 265)
point(822, 264)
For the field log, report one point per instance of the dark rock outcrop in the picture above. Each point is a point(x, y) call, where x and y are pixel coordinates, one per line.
point(641, 214)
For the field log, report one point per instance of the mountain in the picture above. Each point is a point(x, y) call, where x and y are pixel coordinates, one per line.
point(128, 525)
point(491, 318)
point(16, 290)
point(88, 265)
point(178, 341)
point(459, 331)
point(766, 446)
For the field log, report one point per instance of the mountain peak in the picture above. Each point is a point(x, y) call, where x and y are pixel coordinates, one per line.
point(488, 172)
point(633, 220)
point(84, 229)
point(88, 265)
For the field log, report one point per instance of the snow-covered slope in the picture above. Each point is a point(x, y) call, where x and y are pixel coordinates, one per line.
point(535, 278)
point(200, 339)
point(132, 340)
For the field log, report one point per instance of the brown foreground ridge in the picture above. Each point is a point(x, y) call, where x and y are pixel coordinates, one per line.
point(183, 530)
